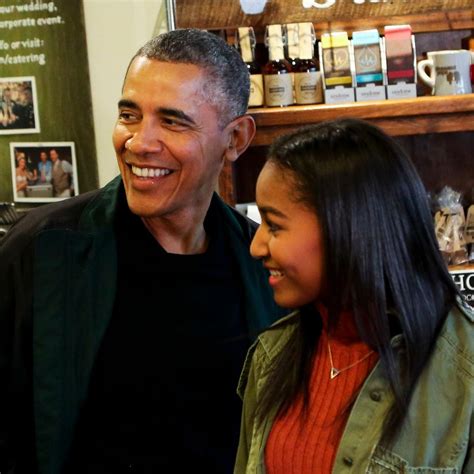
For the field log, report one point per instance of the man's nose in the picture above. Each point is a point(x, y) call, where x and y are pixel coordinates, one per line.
point(146, 139)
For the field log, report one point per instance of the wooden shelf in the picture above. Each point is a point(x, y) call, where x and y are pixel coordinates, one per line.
point(468, 267)
point(422, 125)
point(416, 116)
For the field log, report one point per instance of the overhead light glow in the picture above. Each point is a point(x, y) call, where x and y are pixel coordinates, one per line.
point(252, 7)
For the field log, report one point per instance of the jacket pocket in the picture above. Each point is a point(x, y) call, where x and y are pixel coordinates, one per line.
point(384, 461)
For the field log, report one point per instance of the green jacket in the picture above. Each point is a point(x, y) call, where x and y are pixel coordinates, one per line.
point(57, 291)
point(436, 438)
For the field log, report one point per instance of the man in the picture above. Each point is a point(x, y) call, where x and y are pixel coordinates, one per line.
point(24, 109)
point(126, 313)
point(7, 105)
point(61, 175)
point(45, 169)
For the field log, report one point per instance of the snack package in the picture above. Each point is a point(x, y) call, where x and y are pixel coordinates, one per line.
point(450, 227)
point(469, 228)
point(469, 232)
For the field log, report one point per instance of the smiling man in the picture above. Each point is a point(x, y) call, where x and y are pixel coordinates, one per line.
point(126, 313)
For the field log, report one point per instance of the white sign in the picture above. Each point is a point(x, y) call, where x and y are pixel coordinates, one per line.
point(464, 280)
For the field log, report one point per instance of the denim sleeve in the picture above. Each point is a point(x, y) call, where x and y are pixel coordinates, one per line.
point(468, 467)
point(248, 390)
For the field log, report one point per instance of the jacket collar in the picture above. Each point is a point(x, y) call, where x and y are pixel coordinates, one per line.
point(100, 212)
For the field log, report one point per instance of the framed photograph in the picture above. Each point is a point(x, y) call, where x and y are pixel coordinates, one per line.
point(18, 106)
point(43, 172)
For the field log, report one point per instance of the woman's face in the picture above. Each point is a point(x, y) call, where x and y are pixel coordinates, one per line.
point(289, 240)
point(22, 163)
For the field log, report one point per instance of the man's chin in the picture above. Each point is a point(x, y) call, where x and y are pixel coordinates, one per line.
point(144, 211)
point(141, 207)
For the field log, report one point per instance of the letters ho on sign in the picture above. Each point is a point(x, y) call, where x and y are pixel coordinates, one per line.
point(464, 280)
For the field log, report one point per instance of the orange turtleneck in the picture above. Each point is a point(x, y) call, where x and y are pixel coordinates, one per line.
point(305, 448)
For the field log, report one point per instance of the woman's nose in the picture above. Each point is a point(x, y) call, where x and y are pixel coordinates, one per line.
point(258, 248)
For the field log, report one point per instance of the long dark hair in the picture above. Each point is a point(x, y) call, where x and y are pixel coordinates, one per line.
point(381, 255)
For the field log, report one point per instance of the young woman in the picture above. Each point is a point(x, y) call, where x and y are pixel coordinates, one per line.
point(22, 175)
point(373, 372)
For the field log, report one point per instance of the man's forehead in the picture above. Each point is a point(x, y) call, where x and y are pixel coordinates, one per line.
point(166, 76)
point(193, 81)
point(187, 71)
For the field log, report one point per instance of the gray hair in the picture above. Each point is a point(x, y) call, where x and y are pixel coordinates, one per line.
point(228, 84)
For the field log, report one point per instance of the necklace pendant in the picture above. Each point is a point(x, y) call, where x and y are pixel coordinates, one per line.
point(334, 372)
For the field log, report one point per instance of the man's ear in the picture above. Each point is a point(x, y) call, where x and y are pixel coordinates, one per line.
point(240, 133)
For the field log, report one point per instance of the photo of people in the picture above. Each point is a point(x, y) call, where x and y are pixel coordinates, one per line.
point(43, 172)
point(18, 105)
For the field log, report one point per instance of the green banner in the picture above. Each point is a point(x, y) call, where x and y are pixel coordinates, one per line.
point(47, 142)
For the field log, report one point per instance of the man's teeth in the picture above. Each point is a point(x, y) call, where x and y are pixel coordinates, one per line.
point(276, 273)
point(149, 172)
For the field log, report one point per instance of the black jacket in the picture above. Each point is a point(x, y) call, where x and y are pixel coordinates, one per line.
point(56, 300)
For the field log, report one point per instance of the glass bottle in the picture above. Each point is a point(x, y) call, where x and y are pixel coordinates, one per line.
point(246, 41)
point(292, 50)
point(307, 74)
point(276, 73)
point(293, 47)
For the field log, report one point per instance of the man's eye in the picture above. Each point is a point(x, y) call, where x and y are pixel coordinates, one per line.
point(126, 115)
point(172, 122)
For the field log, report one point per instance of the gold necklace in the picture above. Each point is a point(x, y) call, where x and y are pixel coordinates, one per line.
point(335, 372)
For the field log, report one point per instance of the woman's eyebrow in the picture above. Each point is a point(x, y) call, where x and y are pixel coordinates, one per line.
point(272, 210)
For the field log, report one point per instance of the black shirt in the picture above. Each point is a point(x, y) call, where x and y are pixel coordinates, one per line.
point(162, 396)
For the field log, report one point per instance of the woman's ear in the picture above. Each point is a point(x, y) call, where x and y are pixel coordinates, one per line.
point(240, 133)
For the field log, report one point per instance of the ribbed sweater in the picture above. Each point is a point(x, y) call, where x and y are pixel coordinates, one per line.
point(308, 446)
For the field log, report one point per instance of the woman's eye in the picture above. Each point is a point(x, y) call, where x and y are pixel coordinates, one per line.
point(272, 227)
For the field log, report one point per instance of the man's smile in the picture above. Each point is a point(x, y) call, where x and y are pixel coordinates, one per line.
point(149, 172)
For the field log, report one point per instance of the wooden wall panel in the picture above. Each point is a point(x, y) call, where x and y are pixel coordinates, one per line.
point(444, 159)
point(440, 158)
point(423, 15)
